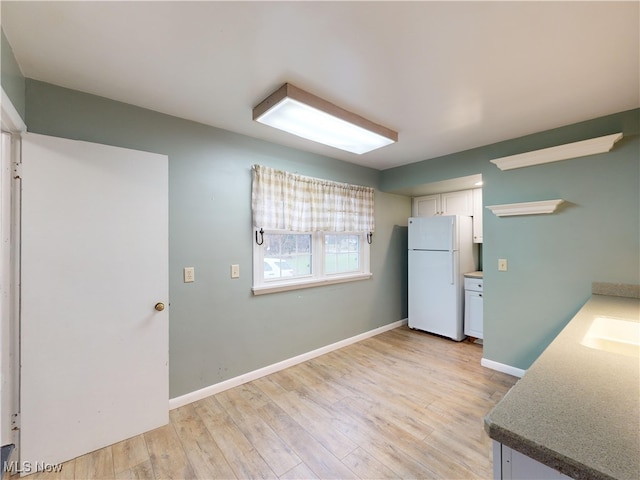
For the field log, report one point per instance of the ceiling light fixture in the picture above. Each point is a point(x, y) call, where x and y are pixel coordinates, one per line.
point(298, 112)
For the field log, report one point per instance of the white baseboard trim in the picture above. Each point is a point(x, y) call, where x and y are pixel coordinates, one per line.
point(276, 367)
point(501, 367)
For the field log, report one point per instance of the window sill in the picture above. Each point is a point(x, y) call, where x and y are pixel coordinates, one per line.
point(284, 287)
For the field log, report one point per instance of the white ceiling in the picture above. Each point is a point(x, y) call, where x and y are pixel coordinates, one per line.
point(448, 76)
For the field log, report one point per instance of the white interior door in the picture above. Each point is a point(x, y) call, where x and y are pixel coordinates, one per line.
point(94, 264)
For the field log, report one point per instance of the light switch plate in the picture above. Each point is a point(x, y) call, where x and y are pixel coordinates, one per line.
point(235, 271)
point(189, 274)
point(502, 264)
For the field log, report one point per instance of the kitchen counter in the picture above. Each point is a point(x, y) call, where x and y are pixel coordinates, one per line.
point(477, 274)
point(577, 408)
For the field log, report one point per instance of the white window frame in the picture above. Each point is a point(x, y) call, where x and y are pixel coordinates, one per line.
point(318, 275)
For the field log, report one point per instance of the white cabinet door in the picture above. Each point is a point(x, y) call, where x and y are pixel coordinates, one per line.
point(427, 206)
point(477, 215)
point(457, 203)
point(463, 202)
point(450, 203)
point(512, 465)
point(473, 314)
point(94, 359)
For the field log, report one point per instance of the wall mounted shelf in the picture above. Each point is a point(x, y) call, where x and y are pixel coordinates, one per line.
point(525, 208)
point(561, 152)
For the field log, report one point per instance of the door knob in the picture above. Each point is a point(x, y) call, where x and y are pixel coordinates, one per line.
point(159, 306)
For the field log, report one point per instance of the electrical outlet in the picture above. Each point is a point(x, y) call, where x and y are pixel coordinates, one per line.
point(502, 264)
point(235, 271)
point(189, 274)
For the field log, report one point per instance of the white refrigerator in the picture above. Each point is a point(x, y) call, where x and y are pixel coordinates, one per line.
point(441, 251)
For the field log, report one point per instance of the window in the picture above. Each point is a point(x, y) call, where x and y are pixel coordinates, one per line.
point(288, 261)
point(286, 256)
point(341, 253)
point(308, 231)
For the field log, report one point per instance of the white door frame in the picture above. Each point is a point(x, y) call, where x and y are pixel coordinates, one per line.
point(12, 124)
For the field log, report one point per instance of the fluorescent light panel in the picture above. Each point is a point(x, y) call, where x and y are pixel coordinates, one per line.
point(305, 115)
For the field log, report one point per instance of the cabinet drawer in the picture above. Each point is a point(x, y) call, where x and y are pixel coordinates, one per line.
point(474, 284)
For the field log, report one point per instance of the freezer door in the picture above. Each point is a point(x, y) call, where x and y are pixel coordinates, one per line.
point(435, 293)
point(433, 233)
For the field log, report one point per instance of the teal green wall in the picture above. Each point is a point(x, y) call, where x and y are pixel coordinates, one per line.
point(218, 329)
point(595, 235)
point(13, 83)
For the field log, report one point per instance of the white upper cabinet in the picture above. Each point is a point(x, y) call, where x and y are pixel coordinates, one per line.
point(477, 215)
point(462, 202)
point(450, 203)
point(427, 206)
point(457, 203)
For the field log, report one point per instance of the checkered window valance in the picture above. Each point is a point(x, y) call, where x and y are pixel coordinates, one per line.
point(285, 201)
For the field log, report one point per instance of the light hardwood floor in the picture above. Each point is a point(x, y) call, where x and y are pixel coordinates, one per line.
point(402, 404)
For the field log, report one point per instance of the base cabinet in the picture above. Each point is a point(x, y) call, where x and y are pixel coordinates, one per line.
point(473, 305)
point(509, 464)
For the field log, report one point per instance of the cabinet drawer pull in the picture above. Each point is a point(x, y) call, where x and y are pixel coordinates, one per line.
point(479, 294)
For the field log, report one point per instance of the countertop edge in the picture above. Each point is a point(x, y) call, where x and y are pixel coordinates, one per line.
point(477, 274)
point(542, 454)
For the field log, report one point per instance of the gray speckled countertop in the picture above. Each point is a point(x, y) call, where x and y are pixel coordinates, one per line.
point(477, 274)
point(577, 408)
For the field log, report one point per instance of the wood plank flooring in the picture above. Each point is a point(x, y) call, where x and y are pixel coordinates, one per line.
point(402, 404)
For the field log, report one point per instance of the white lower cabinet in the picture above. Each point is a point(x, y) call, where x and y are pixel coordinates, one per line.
point(508, 464)
point(473, 304)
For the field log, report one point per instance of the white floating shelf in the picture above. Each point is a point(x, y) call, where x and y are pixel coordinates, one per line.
point(561, 152)
point(525, 208)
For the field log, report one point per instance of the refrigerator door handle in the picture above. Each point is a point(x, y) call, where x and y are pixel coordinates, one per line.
point(453, 234)
point(452, 266)
point(453, 247)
